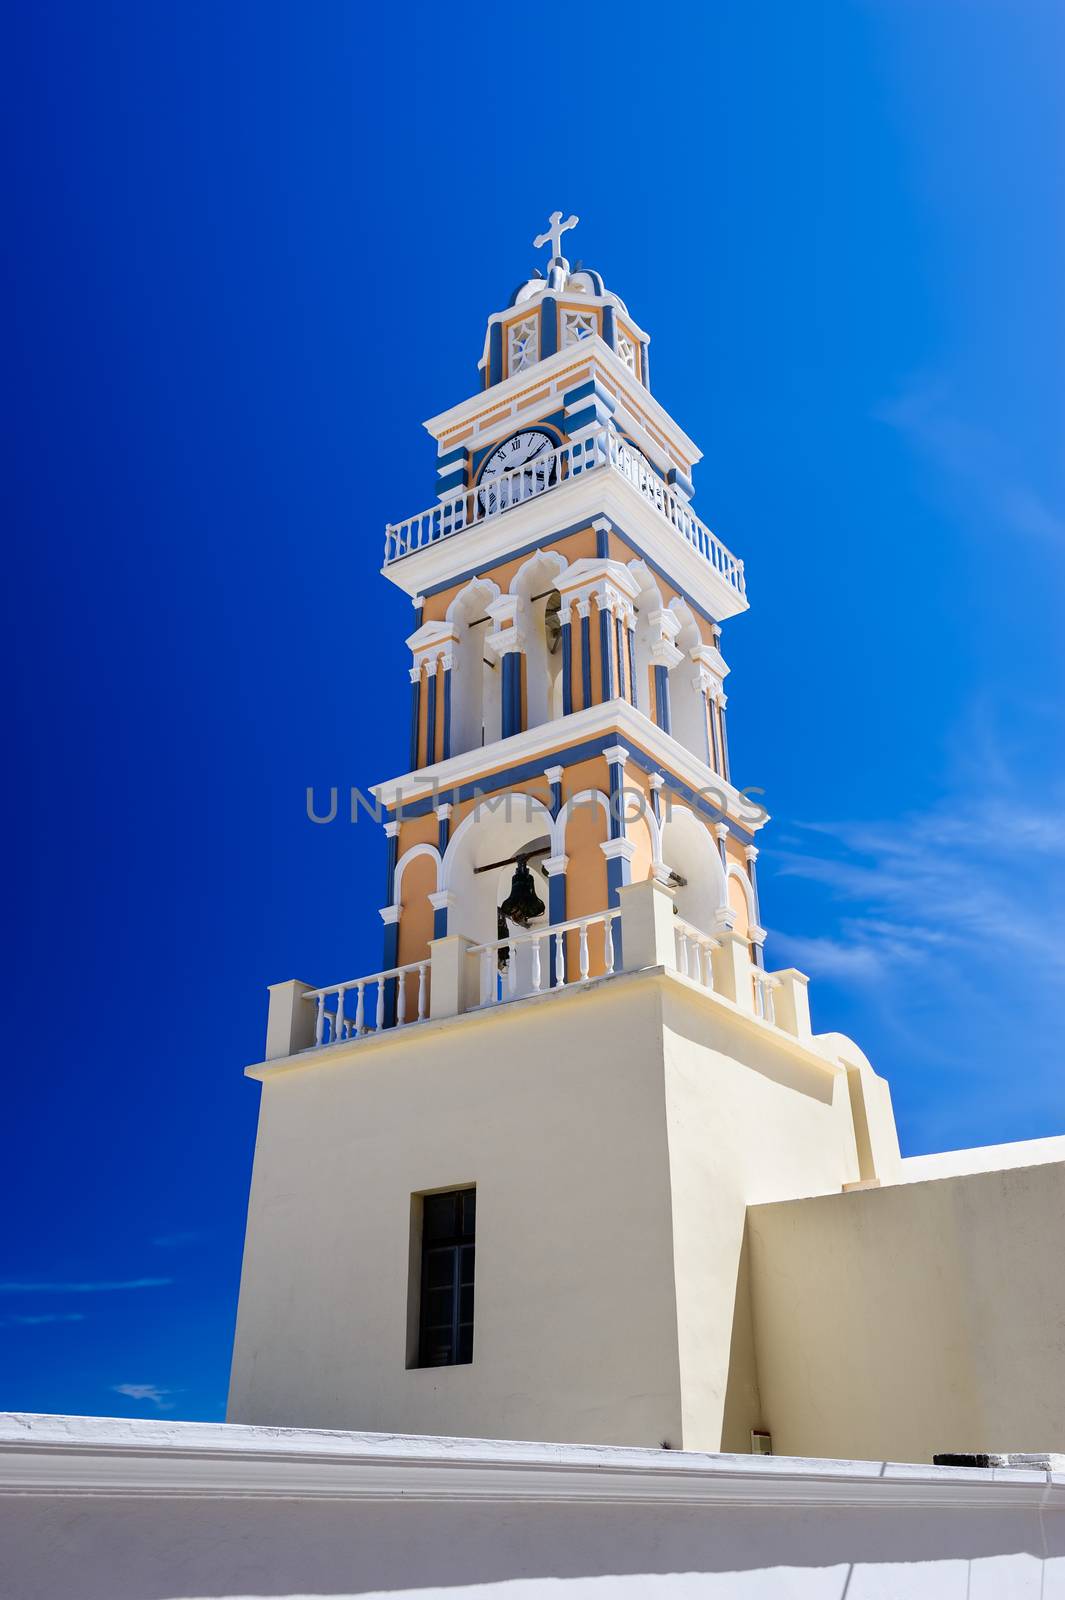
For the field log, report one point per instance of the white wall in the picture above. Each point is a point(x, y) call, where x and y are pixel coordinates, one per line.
point(97, 1509)
point(615, 1134)
point(917, 1319)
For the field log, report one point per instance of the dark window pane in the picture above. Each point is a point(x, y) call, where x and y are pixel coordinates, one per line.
point(447, 1273)
point(440, 1269)
point(439, 1216)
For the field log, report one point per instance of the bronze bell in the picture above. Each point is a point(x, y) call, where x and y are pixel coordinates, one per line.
point(522, 903)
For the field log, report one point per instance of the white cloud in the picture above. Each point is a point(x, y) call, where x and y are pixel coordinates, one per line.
point(145, 1391)
point(177, 1239)
point(99, 1286)
point(41, 1318)
point(973, 456)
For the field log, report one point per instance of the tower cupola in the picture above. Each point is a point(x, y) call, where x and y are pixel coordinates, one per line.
point(558, 309)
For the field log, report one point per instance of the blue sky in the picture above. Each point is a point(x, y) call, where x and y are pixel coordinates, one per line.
point(250, 248)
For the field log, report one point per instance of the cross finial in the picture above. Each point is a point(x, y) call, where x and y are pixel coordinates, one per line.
point(553, 235)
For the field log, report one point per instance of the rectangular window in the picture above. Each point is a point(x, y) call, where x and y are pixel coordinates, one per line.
point(445, 1324)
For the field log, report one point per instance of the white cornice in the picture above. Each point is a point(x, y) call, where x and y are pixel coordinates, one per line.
point(574, 503)
point(550, 738)
point(105, 1456)
point(598, 351)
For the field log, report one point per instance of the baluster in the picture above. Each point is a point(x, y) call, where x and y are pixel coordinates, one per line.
point(379, 1019)
point(584, 950)
point(560, 960)
point(422, 970)
point(319, 1021)
point(711, 946)
point(682, 950)
point(338, 1031)
point(537, 973)
point(360, 1010)
point(608, 943)
point(770, 1005)
point(512, 967)
point(401, 999)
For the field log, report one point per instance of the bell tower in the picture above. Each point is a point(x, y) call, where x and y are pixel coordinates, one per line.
point(568, 705)
point(501, 1185)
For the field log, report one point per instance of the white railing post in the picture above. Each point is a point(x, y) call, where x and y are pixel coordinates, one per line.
point(453, 978)
point(647, 926)
point(733, 968)
point(792, 1002)
point(291, 1021)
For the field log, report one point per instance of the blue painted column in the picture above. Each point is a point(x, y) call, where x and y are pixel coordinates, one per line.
point(446, 747)
point(751, 852)
point(632, 662)
point(430, 713)
point(662, 714)
point(716, 760)
point(390, 918)
point(415, 714)
point(567, 662)
point(606, 675)
point(618, 849)
point(724, 741)
point(620, 651)
point(555, 867)
point(441, 900)
point(511, 692)
point(584, 612)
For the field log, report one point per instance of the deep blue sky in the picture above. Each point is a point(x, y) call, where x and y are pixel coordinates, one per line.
point(250, 247)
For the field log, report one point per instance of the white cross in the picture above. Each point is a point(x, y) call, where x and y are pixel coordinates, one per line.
point(554, 234)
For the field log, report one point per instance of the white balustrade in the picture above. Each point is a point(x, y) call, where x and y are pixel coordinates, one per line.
point(500, 494)
point(695, 951)
point(535, 943)
point(333, 1019)
point(764, 984)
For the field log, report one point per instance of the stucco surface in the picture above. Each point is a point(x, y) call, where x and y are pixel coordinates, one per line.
point(915, 1319)
point(98, 1509)
point(616, 1136)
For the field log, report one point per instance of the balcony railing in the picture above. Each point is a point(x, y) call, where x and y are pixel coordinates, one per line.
point(460, 976)
point(528, 966)
point(332, 1018)
point(600, 451)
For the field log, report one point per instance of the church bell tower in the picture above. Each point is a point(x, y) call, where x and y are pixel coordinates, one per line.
point(500, 1185)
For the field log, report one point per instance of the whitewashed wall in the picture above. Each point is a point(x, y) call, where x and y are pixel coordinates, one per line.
point(99, 1509)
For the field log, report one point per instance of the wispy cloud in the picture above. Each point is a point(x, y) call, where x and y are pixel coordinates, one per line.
point(930, 418)
point(41, 1318)
point(99, 1286)
point(178, 1239)
point(948, 884)
point(151, 1392)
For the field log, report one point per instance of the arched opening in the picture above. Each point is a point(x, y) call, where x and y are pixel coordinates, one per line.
point(475, 695)
point(539, 620)
point(690, 851)
point(687, 702)
point(479, 866)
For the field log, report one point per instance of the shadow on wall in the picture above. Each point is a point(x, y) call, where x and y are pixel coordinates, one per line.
point(99, 1549)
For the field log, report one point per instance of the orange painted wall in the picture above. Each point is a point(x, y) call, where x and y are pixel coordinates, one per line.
point(574, 547)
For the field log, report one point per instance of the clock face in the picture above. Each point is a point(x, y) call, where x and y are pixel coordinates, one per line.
point(524, 449)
